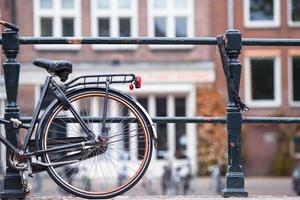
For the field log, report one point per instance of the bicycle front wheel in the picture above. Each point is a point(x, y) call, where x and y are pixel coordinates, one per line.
point(95, 172)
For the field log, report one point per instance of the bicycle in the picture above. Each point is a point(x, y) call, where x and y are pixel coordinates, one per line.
point(70, 139)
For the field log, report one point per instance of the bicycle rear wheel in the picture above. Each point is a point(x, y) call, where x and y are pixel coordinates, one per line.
point(105, 173)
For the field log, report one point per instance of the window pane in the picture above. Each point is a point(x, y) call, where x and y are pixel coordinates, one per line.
point(46, 3)
point(295, 10)
point(261, 10)
point(68, 27)
point(125, 4)
point(181, 140)
point(162, 140)
point(46, 27)
point(160, 27)
point(296, 79)
point(181, 4)
point(103, 27)
point(68, 4)
point(297, 145)
point(181, 26)
point(262, 79)
point(160, 4)
point(103, 4)
point(124, 27)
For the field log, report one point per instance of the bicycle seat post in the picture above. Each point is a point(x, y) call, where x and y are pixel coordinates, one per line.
point(10, 45)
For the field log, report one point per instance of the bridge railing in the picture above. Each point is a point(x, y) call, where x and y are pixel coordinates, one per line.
point(233, 119)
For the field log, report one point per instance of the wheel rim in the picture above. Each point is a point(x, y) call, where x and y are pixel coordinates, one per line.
point(112, 172)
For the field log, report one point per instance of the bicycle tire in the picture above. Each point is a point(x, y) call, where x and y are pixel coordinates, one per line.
point(133, 139)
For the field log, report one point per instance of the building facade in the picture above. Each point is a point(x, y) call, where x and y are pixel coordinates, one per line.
point(270, 78)
point(173, 75)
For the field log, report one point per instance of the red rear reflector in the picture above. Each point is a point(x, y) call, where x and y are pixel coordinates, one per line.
point(138, 82)
point(131, 87)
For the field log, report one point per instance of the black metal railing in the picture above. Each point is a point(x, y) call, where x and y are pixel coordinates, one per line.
point(10, 42)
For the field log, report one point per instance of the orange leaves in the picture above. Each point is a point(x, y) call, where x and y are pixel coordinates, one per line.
point(212, 138)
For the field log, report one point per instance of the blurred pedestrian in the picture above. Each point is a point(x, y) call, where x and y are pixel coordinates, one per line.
point(177, 184)
point(185, 177)
point(166, 179)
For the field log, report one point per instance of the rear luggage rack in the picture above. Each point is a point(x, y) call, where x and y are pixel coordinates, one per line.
point(97, 80)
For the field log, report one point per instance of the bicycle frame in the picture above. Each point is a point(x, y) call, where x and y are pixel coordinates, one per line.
point(57, 91)
point(60, 95)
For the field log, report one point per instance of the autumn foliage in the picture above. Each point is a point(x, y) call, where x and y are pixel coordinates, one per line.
point(212, 139)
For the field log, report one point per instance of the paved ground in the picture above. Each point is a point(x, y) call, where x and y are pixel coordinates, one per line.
point(199, 186)
point(174, 198)
point(265, 188)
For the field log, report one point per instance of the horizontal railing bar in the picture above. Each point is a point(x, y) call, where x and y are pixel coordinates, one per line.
point(154, 40)
point(249, 120)
point(272, 120)
point(27, 120)
point(270, 42)
point(189, 119)
point(119, 40)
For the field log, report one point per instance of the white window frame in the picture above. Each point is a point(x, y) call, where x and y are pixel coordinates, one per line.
point(170, 15)
point(57, 13)
point(275, 23)
point(292, 103)
point(291, 23)
point(114, 13)
point(276, 102)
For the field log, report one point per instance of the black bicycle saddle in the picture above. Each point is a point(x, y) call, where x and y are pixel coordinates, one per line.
point(60, 68)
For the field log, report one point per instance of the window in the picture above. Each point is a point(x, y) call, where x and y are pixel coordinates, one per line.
point(296, 146)
point(294, 12)
point(172, 138)
point(162, 137)
point(114, 18)
point(170, 18)
point(181, 138)
point(295, 81)
point(57, 18)
point(264, 14)
point(262, 76)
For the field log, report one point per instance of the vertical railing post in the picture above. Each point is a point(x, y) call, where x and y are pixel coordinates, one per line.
point(10, 45)
point(234, 176)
